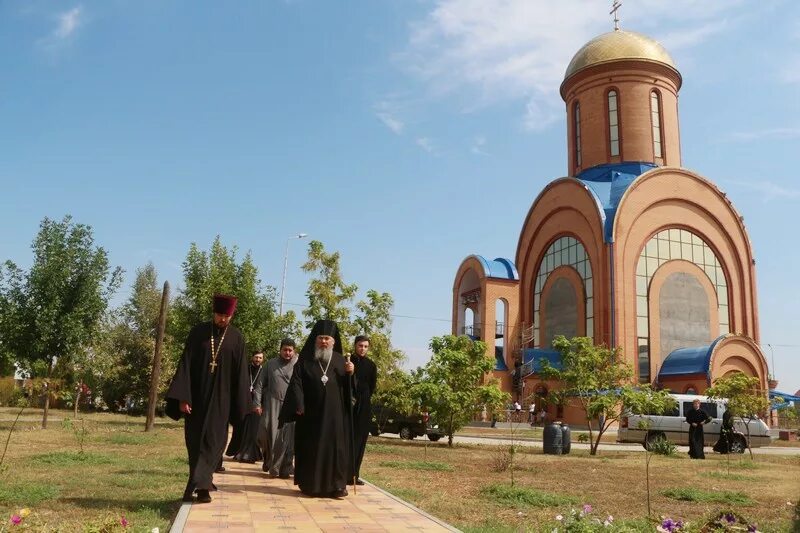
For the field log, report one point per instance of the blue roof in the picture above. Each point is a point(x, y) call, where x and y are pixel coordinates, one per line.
point(786, 396)
point(685, 361)
point(608, 183)
point(532, 359)
point(499, 267)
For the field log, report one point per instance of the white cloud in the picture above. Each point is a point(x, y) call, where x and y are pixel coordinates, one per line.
point(386, 111)
point(479, 145)
point(68, 22)
point(67, 25)
point(426, 144)
point(483, 53)
point(768, 134)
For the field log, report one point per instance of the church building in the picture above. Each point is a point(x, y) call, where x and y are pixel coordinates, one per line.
point(629, 249)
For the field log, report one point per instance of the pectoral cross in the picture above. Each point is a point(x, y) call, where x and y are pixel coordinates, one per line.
point(213, 366)
point(614, 7)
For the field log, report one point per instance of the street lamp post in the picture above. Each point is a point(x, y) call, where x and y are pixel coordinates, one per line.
point(285, 264)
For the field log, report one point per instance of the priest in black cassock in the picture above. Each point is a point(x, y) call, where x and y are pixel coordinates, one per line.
point(210, 388)
point(366, 378)
point(319, 400)
point(696, 418)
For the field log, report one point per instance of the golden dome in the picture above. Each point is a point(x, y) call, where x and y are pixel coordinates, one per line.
point(618, 45)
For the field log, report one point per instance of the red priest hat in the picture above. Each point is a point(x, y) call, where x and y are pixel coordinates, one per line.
point(225, 304)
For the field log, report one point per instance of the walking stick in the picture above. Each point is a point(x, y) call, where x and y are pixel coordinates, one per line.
point(352, 427)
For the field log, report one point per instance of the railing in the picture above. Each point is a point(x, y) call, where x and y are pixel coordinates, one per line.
point(473, 331)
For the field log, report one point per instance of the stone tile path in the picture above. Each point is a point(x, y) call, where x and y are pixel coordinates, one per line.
point(247, 501)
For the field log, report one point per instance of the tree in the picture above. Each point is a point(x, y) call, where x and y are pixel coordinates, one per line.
point(220, 271)
point(328, 294)
point(646, 401)
point(746, 399)
point(452, 383)
point(56, 306)
point(594, 376)
point(127, 350)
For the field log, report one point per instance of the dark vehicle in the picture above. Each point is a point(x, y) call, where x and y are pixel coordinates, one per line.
point(386, 420)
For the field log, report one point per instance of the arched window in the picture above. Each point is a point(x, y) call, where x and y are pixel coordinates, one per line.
point(567, 251)
point(655, 119)
point(668, 245)
point(577, 115)
point(613, 123)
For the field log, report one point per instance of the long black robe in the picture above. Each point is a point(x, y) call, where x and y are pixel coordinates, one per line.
point(323, 432)
point(248, 450)
point(696, 444)
point(366, 377)
point(723, 444)
point(216, 398)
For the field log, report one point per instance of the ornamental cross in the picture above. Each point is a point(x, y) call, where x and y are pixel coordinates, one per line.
point(614, 7)
point(213, 366)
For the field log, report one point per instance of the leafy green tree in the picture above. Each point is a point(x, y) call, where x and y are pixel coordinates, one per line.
point(328, 294)
point(56, 306)
point(594, 376)
point(746, 399)
point(221, 271)
point(453, 383)
point(125, 355)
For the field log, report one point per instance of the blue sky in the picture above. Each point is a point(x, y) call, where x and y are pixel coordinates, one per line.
point(404, 134)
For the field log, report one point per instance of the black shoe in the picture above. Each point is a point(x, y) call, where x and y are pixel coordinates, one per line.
point(341, 493)
point(283, 476)
point(203, 496)
point(359, 481)
point(188, 497)
point(220, 469)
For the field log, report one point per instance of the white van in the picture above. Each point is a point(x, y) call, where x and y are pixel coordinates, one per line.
point(673, 425)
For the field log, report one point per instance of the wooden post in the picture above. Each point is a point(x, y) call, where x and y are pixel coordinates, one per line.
point(156, 374)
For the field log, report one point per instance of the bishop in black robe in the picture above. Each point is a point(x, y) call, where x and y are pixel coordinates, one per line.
point(208, 392)
point(366, 378)
point(696, 418)
point(319, 400)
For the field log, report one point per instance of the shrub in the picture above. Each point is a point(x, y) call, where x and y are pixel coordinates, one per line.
point(663, 447)
point(516, 496)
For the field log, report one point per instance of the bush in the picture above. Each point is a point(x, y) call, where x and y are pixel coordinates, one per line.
point(690, 494)
point(10, 393)
point(663, 447)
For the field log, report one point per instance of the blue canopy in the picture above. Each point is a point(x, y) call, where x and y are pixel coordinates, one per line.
point(787, 399)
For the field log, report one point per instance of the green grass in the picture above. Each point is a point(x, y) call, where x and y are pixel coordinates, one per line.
point(691, 494)
point(409, 495)
point(73, 458)
point(379, 448)
point(132, 438)
point(725, 475)
point(26, 493)
point(524, 496)
point(417, 465)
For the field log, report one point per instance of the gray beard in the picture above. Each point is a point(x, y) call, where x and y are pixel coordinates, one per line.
point(323, 355)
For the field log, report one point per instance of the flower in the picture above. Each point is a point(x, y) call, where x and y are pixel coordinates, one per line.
point(610, 518)
point(16, 519)
point(606, 523)
point(155, 530)
point(729, 518)
point(559, 517)
point(587, 508)
point(24, 513)
point(123, 521)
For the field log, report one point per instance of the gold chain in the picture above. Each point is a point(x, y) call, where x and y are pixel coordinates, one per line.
point(214, 354)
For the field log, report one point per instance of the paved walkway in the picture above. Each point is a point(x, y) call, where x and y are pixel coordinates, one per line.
point(248, 501)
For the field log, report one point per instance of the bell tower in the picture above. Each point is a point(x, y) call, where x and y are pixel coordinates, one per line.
point(621, 94)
